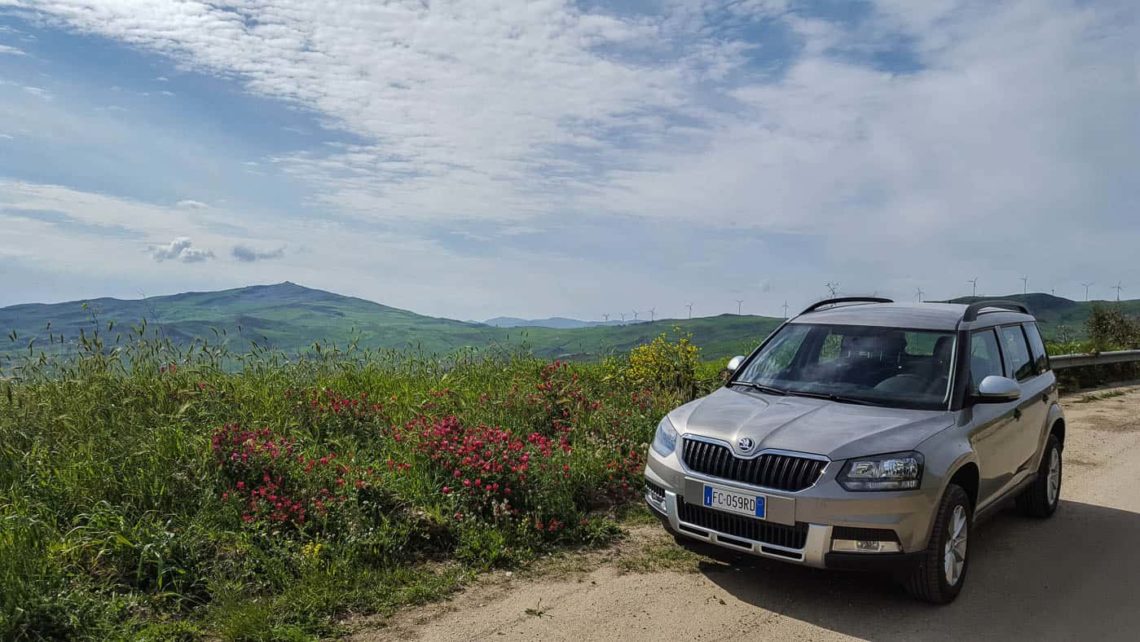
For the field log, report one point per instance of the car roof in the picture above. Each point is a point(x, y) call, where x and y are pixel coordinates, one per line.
point(916, 316)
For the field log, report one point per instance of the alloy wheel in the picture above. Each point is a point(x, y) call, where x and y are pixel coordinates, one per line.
point(954, 555)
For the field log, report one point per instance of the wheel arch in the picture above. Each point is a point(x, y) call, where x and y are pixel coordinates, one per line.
point(968, 476)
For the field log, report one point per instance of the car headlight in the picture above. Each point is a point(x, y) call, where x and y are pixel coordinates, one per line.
point(896, 471)
point(665, 440)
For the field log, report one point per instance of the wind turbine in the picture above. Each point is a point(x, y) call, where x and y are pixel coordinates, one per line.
point(739, 306)
point(690, 306)
point(1118, 288)
point(974, 282)
point(652, 314)
point(832, 288)
point(606, 317)
point(918, 292)
point(622, 318)
point(785, 310)
point(1024, 285)
point(635, 316)
point(1087, 289)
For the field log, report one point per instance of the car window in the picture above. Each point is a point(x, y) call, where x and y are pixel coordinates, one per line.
point(861, 364)
point(1037, 347)
point(777, 356)
point(1016, 351)
point(985, 357)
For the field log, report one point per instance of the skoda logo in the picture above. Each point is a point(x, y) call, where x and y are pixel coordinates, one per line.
point(745, 444)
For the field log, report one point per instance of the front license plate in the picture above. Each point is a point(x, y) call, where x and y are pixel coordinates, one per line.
point(734, 502)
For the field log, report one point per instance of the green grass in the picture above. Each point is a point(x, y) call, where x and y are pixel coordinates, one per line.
point(127, 509)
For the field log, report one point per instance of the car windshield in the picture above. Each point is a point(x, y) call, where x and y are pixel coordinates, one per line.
point(855, 364)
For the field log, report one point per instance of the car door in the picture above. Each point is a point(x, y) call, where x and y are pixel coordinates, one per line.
point(994, 432)
point(1036, 386)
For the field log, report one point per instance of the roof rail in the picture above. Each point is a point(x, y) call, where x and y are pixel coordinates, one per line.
point(845, 299)
point(976, 308)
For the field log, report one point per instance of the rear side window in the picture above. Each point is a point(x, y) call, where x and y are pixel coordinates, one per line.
point(985, 358)
point(1016, 352)
point(1037, 347)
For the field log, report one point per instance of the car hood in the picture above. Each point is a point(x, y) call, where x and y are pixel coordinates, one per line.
point(802, 424)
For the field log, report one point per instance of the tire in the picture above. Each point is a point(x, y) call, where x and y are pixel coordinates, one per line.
point(929, 580)
point(1041, 498)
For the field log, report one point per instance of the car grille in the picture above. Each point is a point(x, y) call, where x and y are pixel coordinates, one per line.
point(780, 472)
point(743, 527)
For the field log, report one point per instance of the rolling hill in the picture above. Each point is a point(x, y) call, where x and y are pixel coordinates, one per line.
point(291, 318)
point(560, 323)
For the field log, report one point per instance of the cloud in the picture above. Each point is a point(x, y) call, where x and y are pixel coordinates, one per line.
point(246, 254)
point(11, 51)
point(192, 205)
point(923, 135)
point(38, 92)
point(180, 249)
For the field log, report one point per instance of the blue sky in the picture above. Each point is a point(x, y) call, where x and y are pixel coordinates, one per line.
point(471, 159)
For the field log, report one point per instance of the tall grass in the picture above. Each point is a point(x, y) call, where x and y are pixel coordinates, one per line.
point(150, 491)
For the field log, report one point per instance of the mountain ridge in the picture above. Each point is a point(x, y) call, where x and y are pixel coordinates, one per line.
point(293, 317)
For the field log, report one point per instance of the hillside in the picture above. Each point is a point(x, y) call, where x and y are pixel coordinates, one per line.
point(1059, 316)
point(560, 323)
point(291, 317)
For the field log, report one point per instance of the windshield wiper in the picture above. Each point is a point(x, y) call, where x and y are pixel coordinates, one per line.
point(759, 386)
point(833, 397)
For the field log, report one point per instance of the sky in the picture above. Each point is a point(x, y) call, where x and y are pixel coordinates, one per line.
point(478, 158)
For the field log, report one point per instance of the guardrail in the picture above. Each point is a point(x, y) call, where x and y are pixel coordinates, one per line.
point(1063, 361)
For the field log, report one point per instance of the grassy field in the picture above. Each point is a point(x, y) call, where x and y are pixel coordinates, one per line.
point(156, 490)
point(148, 493)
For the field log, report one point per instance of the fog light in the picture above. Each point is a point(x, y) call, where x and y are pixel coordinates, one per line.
point(865, 546)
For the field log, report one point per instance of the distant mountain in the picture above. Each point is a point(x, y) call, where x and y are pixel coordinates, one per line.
point(291, 317)
point(558, 323)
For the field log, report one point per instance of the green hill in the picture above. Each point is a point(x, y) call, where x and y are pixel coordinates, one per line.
point(291, 318)
point(1059, 318)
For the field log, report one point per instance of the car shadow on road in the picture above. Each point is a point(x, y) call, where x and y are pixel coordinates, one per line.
point(1076, 576)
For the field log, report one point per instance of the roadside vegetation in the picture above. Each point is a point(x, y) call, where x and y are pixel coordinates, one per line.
point(153, 491)
point(150, 492)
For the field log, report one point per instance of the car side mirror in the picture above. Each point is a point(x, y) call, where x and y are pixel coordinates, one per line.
point(734, 364)
point(995, 389)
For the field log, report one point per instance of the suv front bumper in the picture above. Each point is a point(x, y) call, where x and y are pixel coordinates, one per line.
point(819, 510)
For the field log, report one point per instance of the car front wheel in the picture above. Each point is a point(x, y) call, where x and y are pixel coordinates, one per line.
point(941, 570)
point(1040, 499)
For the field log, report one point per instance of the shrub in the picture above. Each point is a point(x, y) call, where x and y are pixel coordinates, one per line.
point(664, 366)
point(1110, 329)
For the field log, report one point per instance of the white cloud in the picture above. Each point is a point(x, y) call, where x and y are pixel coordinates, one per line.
point(1007, 117)
point(11, 51)
point(38, 92)
point(180, 249)
point(192, 204)
point(247, 254)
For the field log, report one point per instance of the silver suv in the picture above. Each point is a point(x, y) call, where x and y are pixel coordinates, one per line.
point(867, 434)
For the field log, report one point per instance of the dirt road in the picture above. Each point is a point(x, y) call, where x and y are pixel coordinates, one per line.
point(1076, 576)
